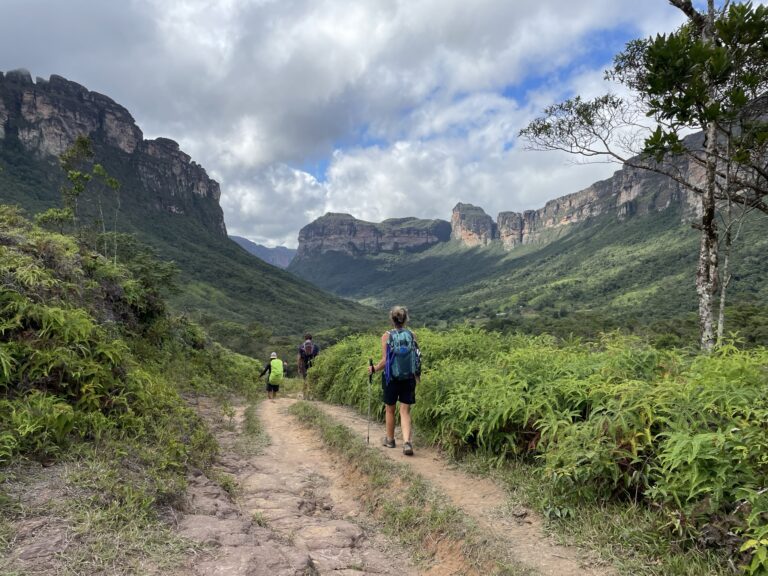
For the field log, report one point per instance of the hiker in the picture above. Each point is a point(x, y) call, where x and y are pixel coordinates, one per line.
point(307, 353)
point(275, 370)
point(400, 366)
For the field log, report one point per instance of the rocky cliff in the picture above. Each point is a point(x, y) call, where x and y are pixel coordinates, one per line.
point(472, 226)
point(344, 233)
point(629, 192)
point(46, 116)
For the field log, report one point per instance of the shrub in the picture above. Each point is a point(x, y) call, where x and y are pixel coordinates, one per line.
point(615, 419)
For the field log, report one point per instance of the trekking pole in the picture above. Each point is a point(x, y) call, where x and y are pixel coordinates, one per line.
point(370, 380)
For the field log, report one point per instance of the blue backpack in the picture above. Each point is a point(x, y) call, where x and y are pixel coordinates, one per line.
point(403, 356)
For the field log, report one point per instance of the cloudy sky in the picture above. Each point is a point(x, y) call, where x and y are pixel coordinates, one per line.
point(378, 108)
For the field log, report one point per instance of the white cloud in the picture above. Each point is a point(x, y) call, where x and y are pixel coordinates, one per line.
point(403, 99)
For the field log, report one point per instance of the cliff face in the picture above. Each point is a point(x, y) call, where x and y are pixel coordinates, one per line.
point(629, 192)
point(46, 116)
point(344, 233)
point(471, 225)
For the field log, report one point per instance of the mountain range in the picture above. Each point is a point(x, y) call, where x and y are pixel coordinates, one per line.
point(279, 256)
point(167, 199)
point(618, 254)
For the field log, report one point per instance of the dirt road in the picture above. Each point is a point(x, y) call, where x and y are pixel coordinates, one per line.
point(293, 513)
point(486, 502)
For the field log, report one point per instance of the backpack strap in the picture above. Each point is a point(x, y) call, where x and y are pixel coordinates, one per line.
point(388, 358)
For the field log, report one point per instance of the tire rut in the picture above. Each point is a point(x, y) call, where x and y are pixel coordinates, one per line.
point(519, 529)
point(293, 514)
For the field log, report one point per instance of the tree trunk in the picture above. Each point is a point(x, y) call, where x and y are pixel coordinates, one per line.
point(726, 279)
point(707, 273)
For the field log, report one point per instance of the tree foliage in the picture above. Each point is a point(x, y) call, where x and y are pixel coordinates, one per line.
point(710, 75)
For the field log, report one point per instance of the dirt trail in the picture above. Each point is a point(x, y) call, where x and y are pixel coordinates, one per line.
point(486, 502)
point(294, 513)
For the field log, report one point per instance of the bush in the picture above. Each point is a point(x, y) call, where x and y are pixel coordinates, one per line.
point(615, 419)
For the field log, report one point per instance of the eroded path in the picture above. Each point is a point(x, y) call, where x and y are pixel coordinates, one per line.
point(294, 513)
point(486, 502)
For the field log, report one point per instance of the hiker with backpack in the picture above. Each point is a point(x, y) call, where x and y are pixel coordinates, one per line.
point(307, 353)
point(400, 368)
point(274, 370)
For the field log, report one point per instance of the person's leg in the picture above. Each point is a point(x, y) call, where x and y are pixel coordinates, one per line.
point(407, 397)
point(389, 419)
point(405, 421)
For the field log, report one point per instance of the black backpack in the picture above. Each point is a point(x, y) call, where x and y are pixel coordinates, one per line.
point(307, 352)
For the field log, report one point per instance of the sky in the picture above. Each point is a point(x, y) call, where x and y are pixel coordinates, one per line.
point(376, 108)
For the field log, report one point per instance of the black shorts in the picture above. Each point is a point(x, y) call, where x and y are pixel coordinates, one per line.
point(273, 387)
point(402, 390)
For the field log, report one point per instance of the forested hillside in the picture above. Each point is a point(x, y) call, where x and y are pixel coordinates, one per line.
point(169, 202)
point(603, 274)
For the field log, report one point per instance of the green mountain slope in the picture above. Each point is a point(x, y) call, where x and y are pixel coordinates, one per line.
point(604, 273)
point(220, 280)
point(169, 202)
point(279, 256)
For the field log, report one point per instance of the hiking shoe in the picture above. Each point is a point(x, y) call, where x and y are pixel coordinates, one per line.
point(408, 449)
point(388, 442)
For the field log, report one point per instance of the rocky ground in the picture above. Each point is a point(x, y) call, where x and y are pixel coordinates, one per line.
point(286, 506)
point(293, 513)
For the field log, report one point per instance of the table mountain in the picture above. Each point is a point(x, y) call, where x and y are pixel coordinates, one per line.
point(344, 233)
point(165, 197)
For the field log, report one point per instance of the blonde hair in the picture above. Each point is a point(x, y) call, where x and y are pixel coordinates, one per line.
point(399, 315)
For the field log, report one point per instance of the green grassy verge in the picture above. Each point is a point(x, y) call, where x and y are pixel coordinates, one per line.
point(408, 507)
point(669, 441)
point(92, 367)
point(625, 535)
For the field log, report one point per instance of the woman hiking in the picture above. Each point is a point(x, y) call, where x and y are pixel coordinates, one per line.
point(400, 366)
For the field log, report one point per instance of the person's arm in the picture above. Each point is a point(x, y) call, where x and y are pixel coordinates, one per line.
point(267, 368)
point(378, 367)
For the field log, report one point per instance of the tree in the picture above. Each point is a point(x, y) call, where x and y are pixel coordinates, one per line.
point(711, 76)
point(82, 174)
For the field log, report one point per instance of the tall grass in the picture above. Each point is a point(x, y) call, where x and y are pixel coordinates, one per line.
point(616, 420)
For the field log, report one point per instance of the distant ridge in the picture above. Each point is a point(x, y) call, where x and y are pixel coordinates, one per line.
point(279, 256)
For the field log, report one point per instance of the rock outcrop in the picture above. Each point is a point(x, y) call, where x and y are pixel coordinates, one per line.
point(472, 226)
point(629, 192)
point(46, 116)
point(343, 233)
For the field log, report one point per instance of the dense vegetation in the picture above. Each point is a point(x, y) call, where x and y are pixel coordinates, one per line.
point(91, 368)
point(617, 420)
point(636, 274)
point(250, 306)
